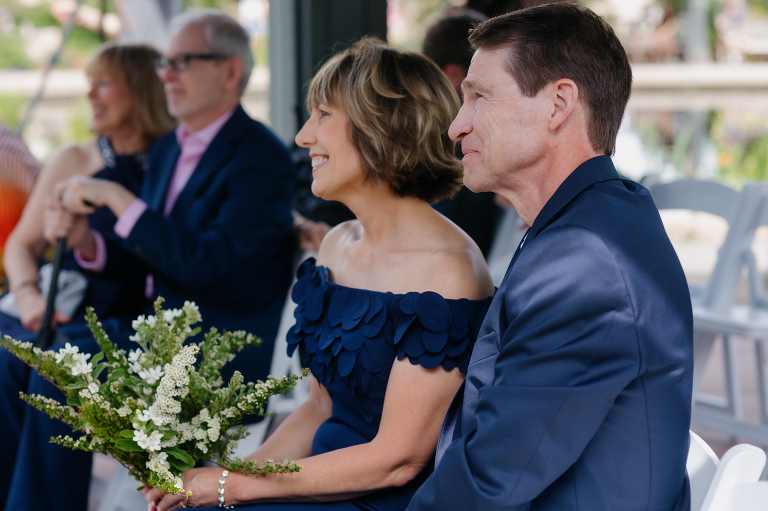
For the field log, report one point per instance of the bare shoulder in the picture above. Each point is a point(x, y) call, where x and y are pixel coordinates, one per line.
point(332, 246)
point(447, 261)
point(459, 271)
point(71, 160)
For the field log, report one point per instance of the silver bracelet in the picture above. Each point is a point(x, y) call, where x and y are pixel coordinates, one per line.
point(223, 480)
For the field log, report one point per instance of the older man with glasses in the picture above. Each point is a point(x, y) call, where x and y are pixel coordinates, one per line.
point(212, 225)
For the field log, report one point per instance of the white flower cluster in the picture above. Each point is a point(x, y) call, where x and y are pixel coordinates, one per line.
point(158, 463)
point(203, 427)
point(134, 360)
point(149, 442)
point(52, 404)
point(151, 374)
point(192, 312)
point(143, 413)
point(77, 363)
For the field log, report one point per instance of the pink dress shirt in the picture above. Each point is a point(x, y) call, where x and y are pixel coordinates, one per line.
point(193, 146)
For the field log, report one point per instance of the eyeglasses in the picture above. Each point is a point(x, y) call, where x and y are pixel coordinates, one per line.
point(180, 63)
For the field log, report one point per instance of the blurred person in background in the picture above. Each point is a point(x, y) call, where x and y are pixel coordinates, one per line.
point(211, 224)
point(129, 114)
point(446, 43)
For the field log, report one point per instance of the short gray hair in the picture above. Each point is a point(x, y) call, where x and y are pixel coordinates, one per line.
point(223, 34)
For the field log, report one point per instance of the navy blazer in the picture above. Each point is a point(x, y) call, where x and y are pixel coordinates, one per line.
point(578, 394)
point(226, 243)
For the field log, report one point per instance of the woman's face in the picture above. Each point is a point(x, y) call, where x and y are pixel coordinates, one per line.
point(336, 165)
point(111, 103)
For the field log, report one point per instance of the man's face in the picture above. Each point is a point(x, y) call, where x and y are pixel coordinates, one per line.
point(501, 131)
point(196, 94)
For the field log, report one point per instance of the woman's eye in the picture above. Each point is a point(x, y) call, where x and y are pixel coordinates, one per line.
point(323, 113)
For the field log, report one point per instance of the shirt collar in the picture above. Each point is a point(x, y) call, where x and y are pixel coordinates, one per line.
point(205, 135)
point(594, 170)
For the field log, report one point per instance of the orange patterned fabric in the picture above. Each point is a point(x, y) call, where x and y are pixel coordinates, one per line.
point(12, 200)
point(18, 171)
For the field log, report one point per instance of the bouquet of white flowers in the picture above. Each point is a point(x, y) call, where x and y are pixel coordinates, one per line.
point(158, 411)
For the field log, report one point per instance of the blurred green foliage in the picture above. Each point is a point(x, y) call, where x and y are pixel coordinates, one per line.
point(228, 6)
point(11, 110)
point(742, 145)
point(759, 7)
point(77, 128)
point(12, 52)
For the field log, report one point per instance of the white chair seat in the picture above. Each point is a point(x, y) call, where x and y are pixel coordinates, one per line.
point(738, 320)
point(736, 485)
point(729, 484)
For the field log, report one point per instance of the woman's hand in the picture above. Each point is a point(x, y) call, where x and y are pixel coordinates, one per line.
point(202, 482)
point(81, 195)
point(59, 223)
point(31, 304)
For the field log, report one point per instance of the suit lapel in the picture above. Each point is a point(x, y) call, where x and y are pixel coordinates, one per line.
point(212, 160)
point(156, 189)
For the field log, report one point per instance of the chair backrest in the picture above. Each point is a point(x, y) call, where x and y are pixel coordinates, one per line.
point(735, 486)
point(282, 365)
point(741, 210)
point(701, 466)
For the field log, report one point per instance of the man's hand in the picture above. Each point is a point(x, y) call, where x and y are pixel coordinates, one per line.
point(82, 195)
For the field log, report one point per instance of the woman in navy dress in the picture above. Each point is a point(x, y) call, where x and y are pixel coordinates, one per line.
point(387, 315)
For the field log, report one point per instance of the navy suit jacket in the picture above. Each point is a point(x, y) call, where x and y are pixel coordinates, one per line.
point(226, 243)
point(578, 393)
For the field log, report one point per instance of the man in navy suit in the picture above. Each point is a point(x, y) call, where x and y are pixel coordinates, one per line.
point(212, 225)
point(578, 393)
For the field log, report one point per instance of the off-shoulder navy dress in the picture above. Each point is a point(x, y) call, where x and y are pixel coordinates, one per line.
point(350, 338)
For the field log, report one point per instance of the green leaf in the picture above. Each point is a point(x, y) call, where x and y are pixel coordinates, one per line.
point(178, 466)
point(97, 358)
point(97, 370)
point(73, 401)
point(185, 459)
point(126, 433)
point(127, 445)
point(167, 435)
point(76, 385)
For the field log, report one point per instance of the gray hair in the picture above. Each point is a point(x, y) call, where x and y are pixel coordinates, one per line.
point(223, 34)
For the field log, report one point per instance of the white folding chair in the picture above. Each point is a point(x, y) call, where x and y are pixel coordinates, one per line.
point(701, 466)
point(739, 210)
point(721, 201)
point(282, 365)
point(722, 318)
point(735, 485)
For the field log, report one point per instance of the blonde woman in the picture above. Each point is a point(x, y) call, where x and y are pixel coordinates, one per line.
point(128, 114)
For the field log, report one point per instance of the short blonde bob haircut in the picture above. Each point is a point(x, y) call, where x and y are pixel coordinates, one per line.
point(134, 64)
point(399, 105)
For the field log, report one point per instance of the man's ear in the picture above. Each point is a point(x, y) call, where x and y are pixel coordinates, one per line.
point(233, 72)
point(565, 94)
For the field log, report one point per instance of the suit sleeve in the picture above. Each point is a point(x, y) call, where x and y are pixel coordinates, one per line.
point(246, 211)
point(569, 348)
